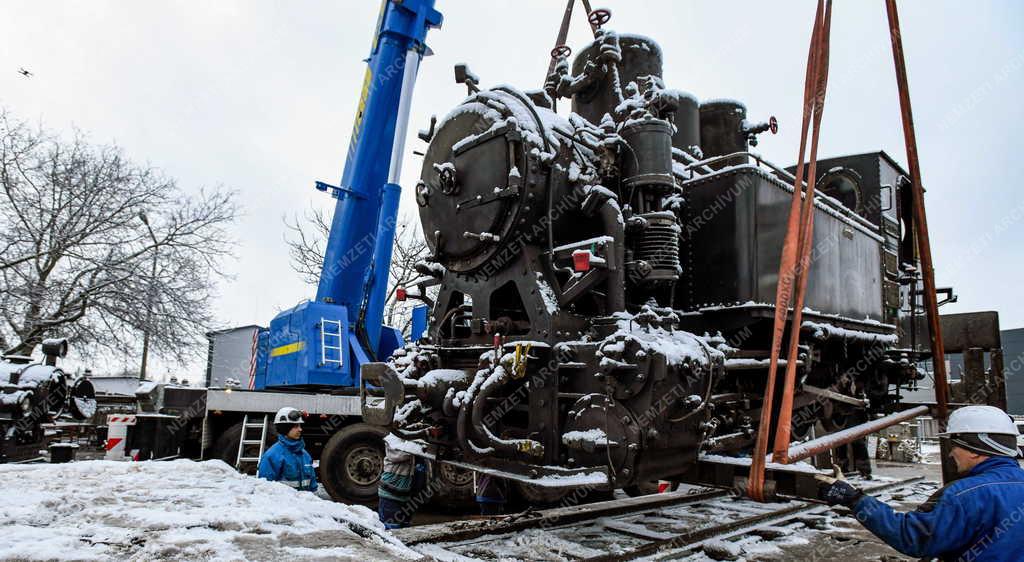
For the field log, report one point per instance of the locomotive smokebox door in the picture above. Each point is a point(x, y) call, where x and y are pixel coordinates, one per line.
point(473, 201)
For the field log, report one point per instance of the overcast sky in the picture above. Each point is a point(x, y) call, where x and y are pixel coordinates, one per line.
point(259, 96)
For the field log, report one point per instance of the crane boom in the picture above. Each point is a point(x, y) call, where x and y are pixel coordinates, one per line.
point(323, 342)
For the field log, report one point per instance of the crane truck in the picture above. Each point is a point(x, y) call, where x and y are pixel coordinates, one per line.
point(310, 356)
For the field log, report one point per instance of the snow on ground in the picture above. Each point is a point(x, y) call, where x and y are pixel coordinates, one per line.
point(177, 510)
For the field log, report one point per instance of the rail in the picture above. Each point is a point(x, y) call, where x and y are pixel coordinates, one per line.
point(621, 529)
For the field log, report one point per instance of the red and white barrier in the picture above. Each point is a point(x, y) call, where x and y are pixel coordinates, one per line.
point(252, 359)
point(117, 431)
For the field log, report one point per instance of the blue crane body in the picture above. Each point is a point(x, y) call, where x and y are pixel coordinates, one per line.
point(322, 343)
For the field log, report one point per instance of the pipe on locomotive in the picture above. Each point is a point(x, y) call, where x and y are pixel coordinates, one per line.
point(462, 423)
point(607, 208)
point(499, 377)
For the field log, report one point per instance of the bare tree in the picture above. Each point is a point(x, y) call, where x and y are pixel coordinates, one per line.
point(307, 237)
point(100, 249)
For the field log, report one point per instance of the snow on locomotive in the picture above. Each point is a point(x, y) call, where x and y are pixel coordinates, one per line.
point(604, 281)
point(35, 393)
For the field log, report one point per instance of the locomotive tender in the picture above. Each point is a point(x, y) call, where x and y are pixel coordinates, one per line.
point(605, 281)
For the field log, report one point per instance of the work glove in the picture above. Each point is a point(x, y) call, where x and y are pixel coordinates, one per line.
point(835, 490)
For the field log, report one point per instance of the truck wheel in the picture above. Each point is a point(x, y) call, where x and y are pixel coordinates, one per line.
point(351, 463)
point(225, 448)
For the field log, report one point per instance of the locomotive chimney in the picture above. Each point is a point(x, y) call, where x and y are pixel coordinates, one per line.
point(54, 348)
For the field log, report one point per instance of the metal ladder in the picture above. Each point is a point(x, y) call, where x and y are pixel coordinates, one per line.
point(335, 335)
point(246, 441)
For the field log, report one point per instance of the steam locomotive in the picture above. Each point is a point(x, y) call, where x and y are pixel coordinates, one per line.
point(605, 281)
point(35, 393)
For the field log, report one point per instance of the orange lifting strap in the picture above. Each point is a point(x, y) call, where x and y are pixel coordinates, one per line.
point(792, 283)
point(797, 242)
point(561, 49)
point(924, 246)
point(784, 426)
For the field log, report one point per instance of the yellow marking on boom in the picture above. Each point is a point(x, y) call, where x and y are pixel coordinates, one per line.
point(360, 111)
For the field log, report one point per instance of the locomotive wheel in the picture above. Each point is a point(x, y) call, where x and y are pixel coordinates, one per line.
point(351, 463)
point(225, 448)
point(839, 418)
point(454, 487)
point(803, 420)
point(835, 423)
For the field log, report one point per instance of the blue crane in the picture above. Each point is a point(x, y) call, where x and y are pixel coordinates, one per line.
point(323, 342)
point(311, 355)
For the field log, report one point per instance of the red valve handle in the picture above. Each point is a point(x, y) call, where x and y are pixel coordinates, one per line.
point(773, 124)
point(561, 51)
point(599, 17)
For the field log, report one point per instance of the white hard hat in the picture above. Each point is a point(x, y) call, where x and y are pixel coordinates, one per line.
point(983, 429)
point(288, 415)
point(981, 419)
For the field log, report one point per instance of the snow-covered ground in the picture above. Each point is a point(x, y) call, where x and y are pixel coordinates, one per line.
point(185, 510)
point(177, 510)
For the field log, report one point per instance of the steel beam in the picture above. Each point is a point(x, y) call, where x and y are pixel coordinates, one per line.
point(813, 447)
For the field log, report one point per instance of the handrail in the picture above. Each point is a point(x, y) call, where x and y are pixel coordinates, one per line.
point(784, 175)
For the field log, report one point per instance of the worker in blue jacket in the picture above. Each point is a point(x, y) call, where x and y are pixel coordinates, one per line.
point(978, 517)
point(287, 461)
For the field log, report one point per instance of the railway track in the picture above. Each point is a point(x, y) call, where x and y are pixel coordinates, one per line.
point(658, 527)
